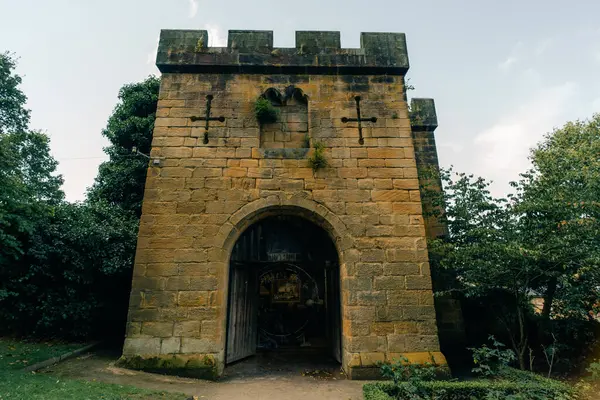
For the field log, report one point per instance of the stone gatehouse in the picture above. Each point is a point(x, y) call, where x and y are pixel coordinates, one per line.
point(243, 246)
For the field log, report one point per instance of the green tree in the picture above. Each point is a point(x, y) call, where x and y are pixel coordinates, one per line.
point(76, 277)
point(27, 170)
point(542, 241)
point(14, 117)
point(121, 180)
point(30, 187)
point(483, 250)
point(65, 269)
point(558, 201)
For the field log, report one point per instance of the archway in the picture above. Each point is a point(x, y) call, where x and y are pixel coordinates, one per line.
point(284, 289)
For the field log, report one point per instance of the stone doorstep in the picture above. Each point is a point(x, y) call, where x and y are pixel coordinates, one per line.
point(62, 357)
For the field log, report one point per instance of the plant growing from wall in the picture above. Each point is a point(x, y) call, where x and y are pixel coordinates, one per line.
point(318, 161)
point(265, 112)
point(306, 142)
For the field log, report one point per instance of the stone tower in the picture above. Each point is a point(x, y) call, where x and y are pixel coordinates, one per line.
point(311, 216)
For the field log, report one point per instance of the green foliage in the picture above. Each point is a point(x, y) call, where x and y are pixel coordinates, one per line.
point(14, 117)
point(318, 160)
point(17, 354)
point(265, 112)
point(74, 279)
point(513, 384)
point(489, 360)
point(470, 390)
point(199, 45)
point(121, 180)
point(16, 384)
point(410, 377)
point(306, 142)
point(23, 386)
point(558, 203)
point(483, 250)
point(403, 369)
point(541, 241)
point(594, 370)
point(65, 269)
point(30, 190)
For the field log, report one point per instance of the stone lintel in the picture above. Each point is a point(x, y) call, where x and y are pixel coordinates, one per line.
point(316, 52)
point(423, 116)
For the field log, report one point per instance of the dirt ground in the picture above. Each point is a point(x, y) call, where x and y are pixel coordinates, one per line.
point(268, 378)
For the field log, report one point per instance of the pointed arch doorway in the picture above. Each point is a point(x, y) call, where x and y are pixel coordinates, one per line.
point(284, 291)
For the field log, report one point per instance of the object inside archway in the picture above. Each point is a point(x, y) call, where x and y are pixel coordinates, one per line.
point(284, 289)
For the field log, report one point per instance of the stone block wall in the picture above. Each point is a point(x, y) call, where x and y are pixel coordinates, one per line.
point(448, 307)
point(202, 196)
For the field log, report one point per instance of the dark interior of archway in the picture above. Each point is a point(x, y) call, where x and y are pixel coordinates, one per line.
point(284, 290)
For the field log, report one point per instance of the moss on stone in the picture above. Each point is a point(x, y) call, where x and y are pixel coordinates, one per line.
point(201, 368)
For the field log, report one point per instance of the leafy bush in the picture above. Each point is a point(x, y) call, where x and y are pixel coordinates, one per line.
point(594, 370)
point(470, 390)
point(65, 269)
point(75, 278)
point(411, 375)
point(265, 112)
point(489, 360)
point(403, 370)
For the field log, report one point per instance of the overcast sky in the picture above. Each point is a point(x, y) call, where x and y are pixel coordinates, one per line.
point(502, 73)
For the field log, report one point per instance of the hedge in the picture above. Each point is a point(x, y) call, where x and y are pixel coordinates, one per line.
point(522, 386)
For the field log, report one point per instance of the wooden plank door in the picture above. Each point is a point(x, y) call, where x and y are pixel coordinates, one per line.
point(243, 313)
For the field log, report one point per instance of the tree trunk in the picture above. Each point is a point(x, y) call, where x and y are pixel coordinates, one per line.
point(521, 357)
point(549, 298)
point(522, 337)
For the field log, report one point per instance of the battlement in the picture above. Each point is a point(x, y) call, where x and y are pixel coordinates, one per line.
point(423, 116)
point(316, 52)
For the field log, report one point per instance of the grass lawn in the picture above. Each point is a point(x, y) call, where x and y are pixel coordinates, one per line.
point(16, 384)
point(16, 354)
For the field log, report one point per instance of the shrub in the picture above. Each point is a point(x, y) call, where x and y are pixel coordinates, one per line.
point(265, 112)
point(74, 281)
point(594, 370)
point(469, 390)
point(489, 360)
point(403, 370)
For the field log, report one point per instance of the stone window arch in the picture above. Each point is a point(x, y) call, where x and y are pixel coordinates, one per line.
point(290, 131)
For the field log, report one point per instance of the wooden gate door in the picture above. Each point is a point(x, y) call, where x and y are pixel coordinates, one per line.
point(334, 319)
point(243, 313)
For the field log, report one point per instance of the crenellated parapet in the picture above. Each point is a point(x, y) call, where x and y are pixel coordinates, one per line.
point(316, 52)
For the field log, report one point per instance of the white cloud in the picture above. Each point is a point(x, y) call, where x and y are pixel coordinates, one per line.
point(507, 64)
point(512, 58)
point(452, 147)
point(543, 46)
point(531, 76)
point(217, 37)
point(501, 151)
point(193, 8)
